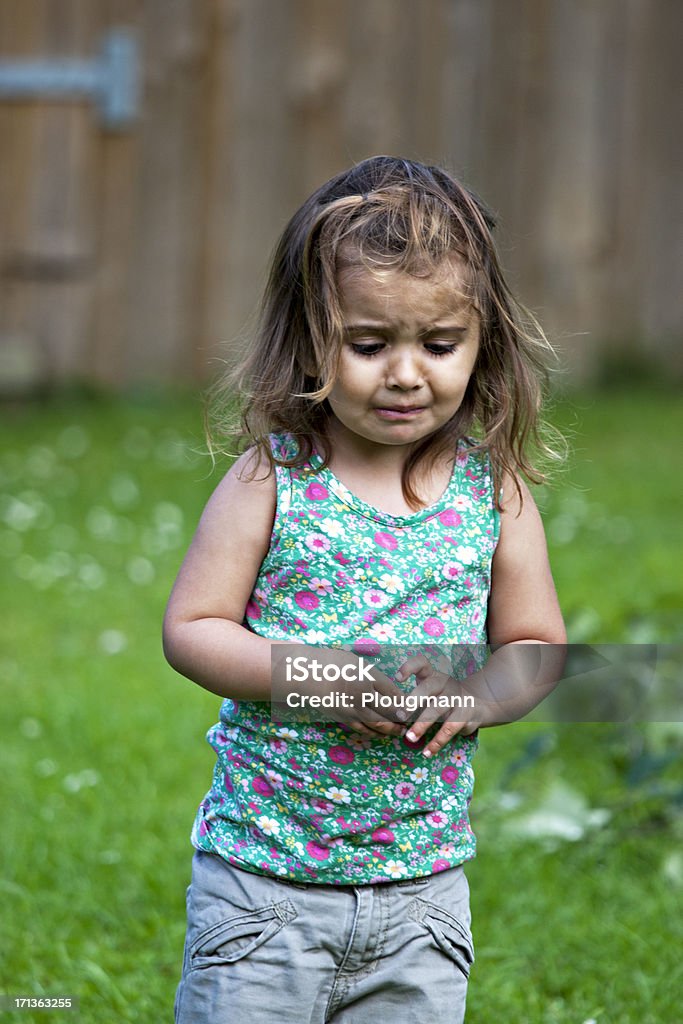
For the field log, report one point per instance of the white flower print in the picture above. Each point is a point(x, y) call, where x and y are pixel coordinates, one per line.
point(315, 637)
point(462, 502)
point(332, 527)
point(287, 734)
point(390, 582)
point(269, 826)
point(467, 555)
point(395, 868)
point(339, 796)
point(419, 775)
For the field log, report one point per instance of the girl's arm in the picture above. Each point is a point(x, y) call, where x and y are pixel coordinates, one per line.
point(203, 634)
point(523, 610)
point(523, 605)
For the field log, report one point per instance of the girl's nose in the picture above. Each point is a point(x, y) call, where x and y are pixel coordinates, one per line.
point(404, 371)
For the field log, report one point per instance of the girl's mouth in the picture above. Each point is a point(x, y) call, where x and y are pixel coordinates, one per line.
point(399, 413)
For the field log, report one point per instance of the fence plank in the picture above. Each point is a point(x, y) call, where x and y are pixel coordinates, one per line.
point(49, 252)
point(164, 321)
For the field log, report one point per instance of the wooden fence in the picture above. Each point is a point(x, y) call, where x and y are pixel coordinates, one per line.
point(139, 254)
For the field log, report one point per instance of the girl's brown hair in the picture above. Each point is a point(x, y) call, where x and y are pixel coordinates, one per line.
point(384, 213)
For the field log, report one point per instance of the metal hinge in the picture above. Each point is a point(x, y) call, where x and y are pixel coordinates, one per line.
point(111, 80)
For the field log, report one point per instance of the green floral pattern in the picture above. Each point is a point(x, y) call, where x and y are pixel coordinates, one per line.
point(316, 802)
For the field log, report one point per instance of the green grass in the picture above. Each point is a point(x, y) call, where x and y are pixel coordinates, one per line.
point(103, 761)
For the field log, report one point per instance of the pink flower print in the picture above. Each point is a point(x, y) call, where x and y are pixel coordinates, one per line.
point(316, 492)
point(459, 758)
point(321, 586)
point(317, 542)
point(341, 755)
point(451, 570)
point(324, 806)
point(440, 865)
point(364, 645)
point(306, 600)
point(386, 540)
point(262, 786)
point(433, 627)
point(278, 746)
point(383, 632)
point(227, 783)
point(449, 517)
point(252, 610)
point(437, 819)
point(383, 835)
point(375, 598)
point(450, 775)
point(317, 851)
point(404, 790)
point(274, 778)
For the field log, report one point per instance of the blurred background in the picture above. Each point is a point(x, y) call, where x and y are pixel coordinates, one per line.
point(150, 153)
point(133, 238)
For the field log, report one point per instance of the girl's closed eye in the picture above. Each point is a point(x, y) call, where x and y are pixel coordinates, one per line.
point(436, 348)
point(367, 349)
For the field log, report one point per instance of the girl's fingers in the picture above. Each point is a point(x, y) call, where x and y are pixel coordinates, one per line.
point(445, 734)
point(413, 666)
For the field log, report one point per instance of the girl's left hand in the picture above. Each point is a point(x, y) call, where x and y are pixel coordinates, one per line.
point(431, 682)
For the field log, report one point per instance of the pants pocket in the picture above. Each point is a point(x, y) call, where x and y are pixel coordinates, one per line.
point(451, 936)
point(234, 938)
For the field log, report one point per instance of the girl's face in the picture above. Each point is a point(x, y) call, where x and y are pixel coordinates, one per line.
point(409, 349)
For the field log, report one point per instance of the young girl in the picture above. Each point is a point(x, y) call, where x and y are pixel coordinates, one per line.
point(388, 401)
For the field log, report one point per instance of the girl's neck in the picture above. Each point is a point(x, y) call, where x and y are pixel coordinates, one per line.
point(374, 475)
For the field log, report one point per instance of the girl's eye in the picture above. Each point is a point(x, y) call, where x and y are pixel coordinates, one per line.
point(368, 349)
point(436, 349)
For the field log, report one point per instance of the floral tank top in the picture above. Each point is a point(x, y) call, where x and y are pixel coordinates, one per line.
point(315, 802)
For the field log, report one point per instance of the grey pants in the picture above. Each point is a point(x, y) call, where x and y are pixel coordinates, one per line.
point(262, 950)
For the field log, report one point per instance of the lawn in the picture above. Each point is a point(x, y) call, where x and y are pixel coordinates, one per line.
point(102, 751)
